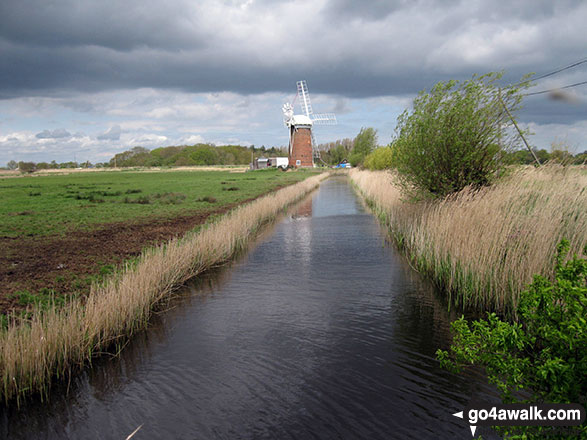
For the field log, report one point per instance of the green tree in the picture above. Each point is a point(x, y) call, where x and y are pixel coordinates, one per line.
point(337, 154)
point(12, 165)
point(205, 155)
point(456, 135)
point(365, 142)
point(136, 156)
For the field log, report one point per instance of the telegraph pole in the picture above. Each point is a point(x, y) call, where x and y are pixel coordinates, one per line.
point(518, 128)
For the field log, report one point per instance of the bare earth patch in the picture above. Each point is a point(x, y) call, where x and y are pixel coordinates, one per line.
point(68, 264)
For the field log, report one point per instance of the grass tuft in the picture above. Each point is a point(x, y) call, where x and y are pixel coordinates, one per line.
point(208, 199)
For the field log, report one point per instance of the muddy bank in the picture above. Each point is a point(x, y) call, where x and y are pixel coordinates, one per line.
point(68, 264)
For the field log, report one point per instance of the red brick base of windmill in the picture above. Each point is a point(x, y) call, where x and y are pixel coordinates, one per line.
point(301, 148)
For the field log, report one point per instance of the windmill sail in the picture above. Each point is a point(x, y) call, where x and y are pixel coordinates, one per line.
point(304, 98)
point(324, 119)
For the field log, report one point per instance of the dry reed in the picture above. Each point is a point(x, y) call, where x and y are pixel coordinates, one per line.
point(484, 246)
point(53, 342)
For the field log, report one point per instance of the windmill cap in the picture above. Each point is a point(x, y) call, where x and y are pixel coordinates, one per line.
point(301, 120)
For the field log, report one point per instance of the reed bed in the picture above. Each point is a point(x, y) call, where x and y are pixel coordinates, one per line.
point(484, 246)
point(54, 342)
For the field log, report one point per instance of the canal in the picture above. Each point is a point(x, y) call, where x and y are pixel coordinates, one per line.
point(321, 331)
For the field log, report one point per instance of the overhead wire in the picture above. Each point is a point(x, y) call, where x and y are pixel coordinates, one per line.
point(554, 72)
point(557, 88)
point(546, 75)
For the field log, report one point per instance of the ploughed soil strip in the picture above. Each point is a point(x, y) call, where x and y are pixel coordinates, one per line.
point(68, 264)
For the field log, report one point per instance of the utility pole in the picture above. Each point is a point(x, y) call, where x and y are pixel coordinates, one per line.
point(519, 131)
point(499, 132)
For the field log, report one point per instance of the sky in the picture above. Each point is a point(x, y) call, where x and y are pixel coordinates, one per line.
point(83, 80)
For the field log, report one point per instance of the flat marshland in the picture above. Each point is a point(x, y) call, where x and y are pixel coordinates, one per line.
point(484, 246)
point(55, 339)
point(61, 233)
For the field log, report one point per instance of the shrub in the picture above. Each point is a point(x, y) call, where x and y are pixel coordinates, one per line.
point(455, 135)
point(27, 167)
point(170, 198)
point(379, 159)
point(545, 352)
point(142, 200)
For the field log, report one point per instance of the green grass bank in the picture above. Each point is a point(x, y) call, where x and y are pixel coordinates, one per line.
point(56, 204)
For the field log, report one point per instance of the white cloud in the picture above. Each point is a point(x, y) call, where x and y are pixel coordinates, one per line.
point(113, 134)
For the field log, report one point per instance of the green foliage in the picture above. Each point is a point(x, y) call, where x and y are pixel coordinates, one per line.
point(205, 156)
point(355, 159)
point(455, 136)
point(335, 152)
point(379, 159)
point(12, 165)
point(556, 155)
point(191, 155)
point(137, 156)
point(545, 352)
point(365, 142)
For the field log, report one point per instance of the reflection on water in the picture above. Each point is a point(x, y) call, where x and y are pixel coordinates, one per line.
point(321, 331)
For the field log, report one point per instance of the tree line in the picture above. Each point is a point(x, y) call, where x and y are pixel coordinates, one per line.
point(185, 155)
point(190, 155)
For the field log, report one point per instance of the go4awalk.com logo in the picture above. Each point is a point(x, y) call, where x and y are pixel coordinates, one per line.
point(522, 414)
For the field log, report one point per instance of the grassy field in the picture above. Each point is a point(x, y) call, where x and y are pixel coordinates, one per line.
point(56, 204)
point(484, 246)
point(59, 234)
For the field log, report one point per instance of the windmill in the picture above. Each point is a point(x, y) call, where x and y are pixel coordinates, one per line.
point(302, 148)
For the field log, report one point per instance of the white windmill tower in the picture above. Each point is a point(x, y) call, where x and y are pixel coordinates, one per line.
point(302, 144)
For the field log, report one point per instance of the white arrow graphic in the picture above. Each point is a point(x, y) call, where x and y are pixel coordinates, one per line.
point(460, 416)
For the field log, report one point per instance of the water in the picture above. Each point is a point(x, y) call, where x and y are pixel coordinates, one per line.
point(322, 331)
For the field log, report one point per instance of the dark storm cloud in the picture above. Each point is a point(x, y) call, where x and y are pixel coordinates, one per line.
point(545, 110)
point(344, 47)
point(106, 23)
point(369, 9)
point(59, 133)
